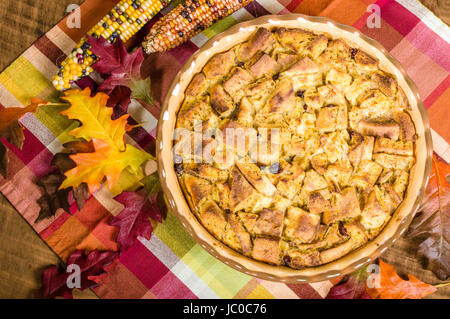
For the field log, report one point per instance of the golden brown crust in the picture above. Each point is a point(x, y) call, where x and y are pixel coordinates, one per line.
point(301, 225)
point(320, 155)
point(265, 65)
point(260, 41)
point(221, 102)
point(388, 129)
point(213, 218)
point(267, 250)
point(197, 86)
point(242, 235)
point(219, 65)
point(269, 223)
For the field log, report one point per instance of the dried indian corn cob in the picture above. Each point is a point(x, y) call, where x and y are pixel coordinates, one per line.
point(125, 20)
point(186, 20)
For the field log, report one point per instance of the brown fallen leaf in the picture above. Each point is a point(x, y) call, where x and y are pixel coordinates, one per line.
point(391, 286)
point(55, 198)
point(431, 227)
point(11, 130)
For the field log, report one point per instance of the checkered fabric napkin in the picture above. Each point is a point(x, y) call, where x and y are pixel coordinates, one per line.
point(171, 264)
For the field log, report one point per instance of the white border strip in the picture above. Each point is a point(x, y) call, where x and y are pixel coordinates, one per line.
point(427, 17)
point(440, 146)
point(180, 269)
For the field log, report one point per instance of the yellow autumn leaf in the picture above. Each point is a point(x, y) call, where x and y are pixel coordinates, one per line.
point(105, 163)
point(95, 118)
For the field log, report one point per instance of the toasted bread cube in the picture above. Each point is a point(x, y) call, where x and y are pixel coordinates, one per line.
point(222, 195)
point(301, 225)
point(245, 112)
point(301, 259)
point(373, 216)
point(332, 118)
point(238, 80)
point(318, 201)
point(318, 45)
point(366, 174)
point(357, 237)
point(386, 145)
point(197, 86)
point(365, 61)
point(385, 84)
point(206, 171)
point(384, 129)
point(394, 161)
point(362, 151)
point(339, 79)
point(266, 250)
point(343, 206)
point(290, 184)
point(303, 66)
point(248, 220)
point(296, 39)
point(197, 188)
point(213, 218)
point(219, 66)
point(401, 181)
point(407, 129)
point(260, 41)
point(319, 162)
point(221, 102)
point(283, 98)
point(312, 98)
point(265, 66)
point(243, 196)
point(242, 235)
point(357, 90)
point(200, 112)
point(269, 223)
point(327, 236)
point(256, 178)
point(338, 173)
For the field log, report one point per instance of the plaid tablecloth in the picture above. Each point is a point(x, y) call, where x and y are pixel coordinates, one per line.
point(171, 264)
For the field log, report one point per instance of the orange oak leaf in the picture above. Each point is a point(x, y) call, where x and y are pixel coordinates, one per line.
point(105, 163)
point(95, 118)
point(389, 285)
point(431, 227)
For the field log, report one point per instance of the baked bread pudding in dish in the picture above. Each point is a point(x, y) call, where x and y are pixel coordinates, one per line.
point(293, 148)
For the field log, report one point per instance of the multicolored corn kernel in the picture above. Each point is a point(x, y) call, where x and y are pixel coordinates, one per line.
point(186, 20)
point(124, 21)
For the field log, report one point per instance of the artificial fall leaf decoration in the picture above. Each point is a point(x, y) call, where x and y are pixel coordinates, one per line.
point(106, 162)
point(432, 225)
point(55, 198)
point(122, 68)
point(12, 130)
point(55, 280)
point(392, 286)
point(134, 220)
point(352, 286)
point(111, 156)
point(95, 118)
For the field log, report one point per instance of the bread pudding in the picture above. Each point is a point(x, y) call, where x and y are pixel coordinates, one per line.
point(293, 148)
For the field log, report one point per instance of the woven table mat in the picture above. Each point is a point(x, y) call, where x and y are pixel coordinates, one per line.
point(171, 258)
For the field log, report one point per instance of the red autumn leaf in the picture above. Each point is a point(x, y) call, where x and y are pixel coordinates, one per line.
point(122, 68)
point(352, 286)
point(55, 280)
point(392, 286)
point(432, 226)
point(134, 220)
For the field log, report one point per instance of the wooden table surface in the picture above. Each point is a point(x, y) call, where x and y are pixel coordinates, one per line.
point(23, 255)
